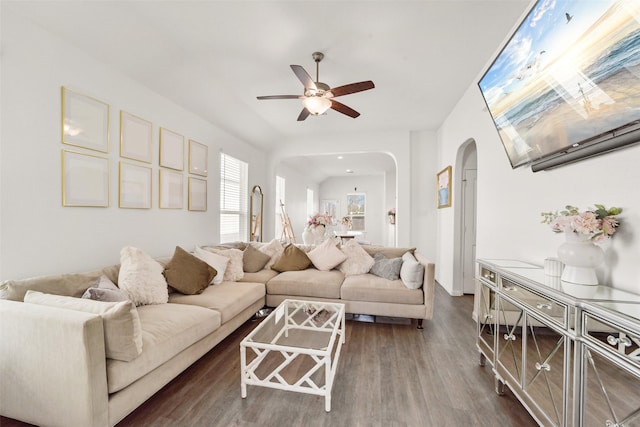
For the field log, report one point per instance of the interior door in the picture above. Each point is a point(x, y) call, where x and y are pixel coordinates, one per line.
point(469, 230)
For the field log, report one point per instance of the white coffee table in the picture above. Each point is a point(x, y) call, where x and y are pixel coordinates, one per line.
point(296, 348)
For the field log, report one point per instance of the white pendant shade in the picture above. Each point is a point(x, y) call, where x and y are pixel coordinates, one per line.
point(316, 104)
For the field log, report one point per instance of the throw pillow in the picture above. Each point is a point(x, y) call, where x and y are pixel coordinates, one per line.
point(122, 331)
point(387, 251)
point(187, 273)
point(234, 271)
point(218, 262)
point(254, 260)
point(358, 260)
point(326, 256)
point(292, 259)
point(386, 268)
point(411, 272)
point(141, 277)
point(274, 249)
point(105, 290)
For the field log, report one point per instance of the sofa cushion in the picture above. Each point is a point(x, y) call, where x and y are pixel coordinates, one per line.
point(218, 262)
point(386, 267)
point(234, 269)
point(122, 333)
point(411, 272)
point(254, 260)
point(358, 260)
point(368, 287)
point(140, 276)
point(72, 285)
point(105, 290)
point(262, 276)
point(229, 298)
point(292, 259)
point(387, 251)
point(326, 256)
point(307, 283)
point(167, 329)
point(187, 273)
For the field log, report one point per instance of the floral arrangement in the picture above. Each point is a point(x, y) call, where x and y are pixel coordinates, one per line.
point(392, 211)
point(346, 221)
point(319, 219)
point(599, 223)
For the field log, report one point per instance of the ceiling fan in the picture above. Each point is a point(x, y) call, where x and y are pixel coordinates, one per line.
point(318, 96)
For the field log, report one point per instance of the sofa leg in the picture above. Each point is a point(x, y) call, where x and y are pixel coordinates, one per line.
point(420, 324)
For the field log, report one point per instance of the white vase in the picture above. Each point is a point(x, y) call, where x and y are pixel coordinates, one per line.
point(308, 237)
point(319, 231)
point(580, 257)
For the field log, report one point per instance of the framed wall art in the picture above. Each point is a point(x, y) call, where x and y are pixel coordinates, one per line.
point(171, 189)
point(197, 194)
point(85, 121)
point(135, 186)
point(171, 150)
point(443, 182)
point(198, 155)
point(135, 138)
point(85, 180)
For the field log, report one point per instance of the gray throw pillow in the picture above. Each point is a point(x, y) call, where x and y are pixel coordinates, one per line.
point(105, 290)
point(386, 268)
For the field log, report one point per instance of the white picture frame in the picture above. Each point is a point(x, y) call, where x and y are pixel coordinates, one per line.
point(85, 180)
point(171, 189)
point(197, 194)
point(135, 186)
point(85, 121)
point(198, 158)
point(136, 142)
point(171, 150)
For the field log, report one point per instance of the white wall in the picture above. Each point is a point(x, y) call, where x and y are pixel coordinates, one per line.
point(296, 185)
point(37, 234)
point(510, 201)
point(375, 208)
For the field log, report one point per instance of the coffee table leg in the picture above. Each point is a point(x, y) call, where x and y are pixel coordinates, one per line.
point(243, 368)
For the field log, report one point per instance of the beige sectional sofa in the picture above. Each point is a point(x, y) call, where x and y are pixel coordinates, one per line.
point(53, 365)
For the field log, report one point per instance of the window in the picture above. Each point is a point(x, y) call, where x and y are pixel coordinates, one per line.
point(280, 197)
point(356, 209)
point(233, 199)
point(309, 202)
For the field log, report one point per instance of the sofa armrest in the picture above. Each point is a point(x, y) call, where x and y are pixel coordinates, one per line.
point(53, 366)
point(428, 284)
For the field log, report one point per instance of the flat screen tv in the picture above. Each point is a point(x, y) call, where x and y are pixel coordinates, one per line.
point(567, 84)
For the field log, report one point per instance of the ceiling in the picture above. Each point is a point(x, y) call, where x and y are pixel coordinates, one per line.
point(214, 57)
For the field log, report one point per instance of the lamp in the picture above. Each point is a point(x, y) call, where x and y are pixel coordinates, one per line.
point(316, 105)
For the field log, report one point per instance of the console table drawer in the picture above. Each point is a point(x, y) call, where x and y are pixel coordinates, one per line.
point(488, 275)
point(539, 304)
point(612, 338)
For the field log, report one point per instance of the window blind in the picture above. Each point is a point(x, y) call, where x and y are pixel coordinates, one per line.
point(233, 199)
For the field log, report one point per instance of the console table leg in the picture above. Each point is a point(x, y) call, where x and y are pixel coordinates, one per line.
point(499, 386)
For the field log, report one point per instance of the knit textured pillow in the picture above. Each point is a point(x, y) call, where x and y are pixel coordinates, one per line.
point(141, 277)
point(386, 268)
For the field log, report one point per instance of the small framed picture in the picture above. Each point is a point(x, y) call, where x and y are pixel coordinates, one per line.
point(443, 182)
point(197, 194)
point(85, 180)
point(135, 138)
point(85, 121)
point(198, 158)
point(171, 150)
point(135, 186)
point(171, 189)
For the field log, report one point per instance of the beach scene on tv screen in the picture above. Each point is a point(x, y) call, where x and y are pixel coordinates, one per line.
point(570, 72)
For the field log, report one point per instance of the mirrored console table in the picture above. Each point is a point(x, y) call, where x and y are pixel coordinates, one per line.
point(570, 353)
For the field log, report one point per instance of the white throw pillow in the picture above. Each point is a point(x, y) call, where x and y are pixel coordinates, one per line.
point(122, 331)
point(411, 272)
point(274, 249)
point(326, 256)
point(235, 267)
point(358, 260)
point(219, 262)
point(141, 277)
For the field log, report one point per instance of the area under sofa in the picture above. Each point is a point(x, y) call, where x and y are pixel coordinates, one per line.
point(68, 380)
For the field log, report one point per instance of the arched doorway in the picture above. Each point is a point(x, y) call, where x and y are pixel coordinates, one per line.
point(465, 218)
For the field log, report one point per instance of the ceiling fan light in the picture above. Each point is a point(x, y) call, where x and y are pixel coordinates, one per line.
point(316, 105)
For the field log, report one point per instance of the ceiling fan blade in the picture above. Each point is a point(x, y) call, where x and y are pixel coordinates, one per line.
point(352, 88)
point(281, 97)
point(341, 108)
point(303, 114)
point(304, 77)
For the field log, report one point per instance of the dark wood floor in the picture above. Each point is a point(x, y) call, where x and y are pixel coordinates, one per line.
point(388, 375)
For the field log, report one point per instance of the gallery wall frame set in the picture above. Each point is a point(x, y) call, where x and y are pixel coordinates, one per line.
point(443, 188)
